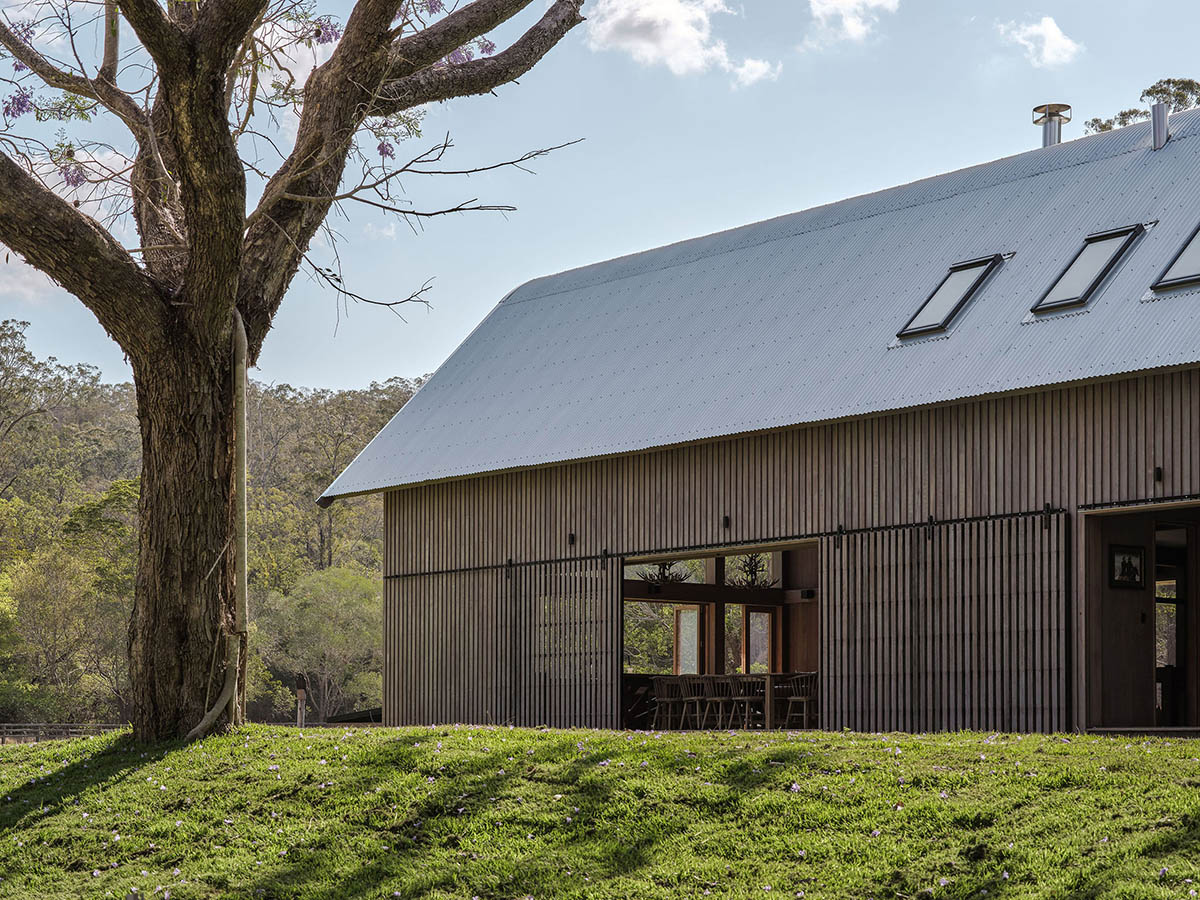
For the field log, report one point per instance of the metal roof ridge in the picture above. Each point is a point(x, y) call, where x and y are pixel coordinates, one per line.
point(511, 300)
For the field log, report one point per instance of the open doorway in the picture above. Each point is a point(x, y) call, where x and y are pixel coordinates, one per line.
point(740, 615)
point(1172, 614)
point(1141, 569)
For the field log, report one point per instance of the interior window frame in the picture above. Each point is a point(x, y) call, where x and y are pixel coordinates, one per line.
point(1131, 233)
point(1162, 283)
point(987, 265)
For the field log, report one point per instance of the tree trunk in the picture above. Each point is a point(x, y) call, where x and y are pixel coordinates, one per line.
point(184, 595)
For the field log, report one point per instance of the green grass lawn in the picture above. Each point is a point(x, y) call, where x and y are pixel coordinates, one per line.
point(497, 812)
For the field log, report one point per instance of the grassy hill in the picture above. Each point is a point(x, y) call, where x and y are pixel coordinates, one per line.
point(497, 812)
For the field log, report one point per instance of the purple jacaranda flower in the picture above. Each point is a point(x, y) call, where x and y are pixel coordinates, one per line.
point(434, 7)
point(74, 175)
point(19, 103)
point(459, 56)
point(387, 151)
point(325, 30)
point(486, 47)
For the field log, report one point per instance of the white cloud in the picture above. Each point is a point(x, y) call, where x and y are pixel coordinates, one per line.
point(1044, 42)
point(755, 70)
point(845, 20)
point(374, 232)
point(673, 33)
point(22, 283)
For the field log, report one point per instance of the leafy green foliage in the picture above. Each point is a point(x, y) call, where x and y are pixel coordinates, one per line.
point(513, 813)
point(329, 629)
point(1177, 93)
point(648, 644)
point(69, 464)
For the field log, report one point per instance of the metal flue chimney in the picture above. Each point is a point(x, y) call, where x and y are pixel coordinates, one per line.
point(1159, 134)
point(1051, 117)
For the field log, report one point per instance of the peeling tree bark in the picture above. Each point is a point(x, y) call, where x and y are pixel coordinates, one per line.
point(184, 595)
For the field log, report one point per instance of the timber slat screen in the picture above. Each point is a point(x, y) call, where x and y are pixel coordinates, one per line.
point(523, 645)
point(1127, 440)
point(961, 625)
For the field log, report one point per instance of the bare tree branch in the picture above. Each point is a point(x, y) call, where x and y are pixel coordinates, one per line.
point(112, 39)
point(79, 254)
point(339, 96)
point(430, 44)
point(481, 75)
point(104, 91)
point(162, 38)
point(332, 278)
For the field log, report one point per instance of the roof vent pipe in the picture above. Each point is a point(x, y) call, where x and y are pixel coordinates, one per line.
point(1051, 117)
point(1158, 126)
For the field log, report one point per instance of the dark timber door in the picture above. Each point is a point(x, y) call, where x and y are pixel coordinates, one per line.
point(947, 626)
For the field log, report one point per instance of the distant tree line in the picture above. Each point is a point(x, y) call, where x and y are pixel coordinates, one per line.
point(69, 464)
point(1178, 93)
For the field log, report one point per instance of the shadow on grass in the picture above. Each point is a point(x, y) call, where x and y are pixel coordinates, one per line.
point(1091, 876)
point(425, 854)
point(25, 806)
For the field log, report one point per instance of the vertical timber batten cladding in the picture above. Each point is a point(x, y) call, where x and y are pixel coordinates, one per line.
point(952, 498)
point(530, 644)
point(949, 626)
point(1087, 445)
point(968, 623)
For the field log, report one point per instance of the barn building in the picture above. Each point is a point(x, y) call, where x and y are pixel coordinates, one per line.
point(959, 419)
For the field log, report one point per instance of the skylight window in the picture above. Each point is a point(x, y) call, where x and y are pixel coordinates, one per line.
point(1185, 267)
point(950, 296)
point(1096, 259)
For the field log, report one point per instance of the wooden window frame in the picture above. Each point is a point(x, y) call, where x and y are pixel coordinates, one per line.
point(676, 608)
point(774, 654)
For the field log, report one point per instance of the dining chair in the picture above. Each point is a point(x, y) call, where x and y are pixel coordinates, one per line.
point(802, 694)
point(695, 699)
point(668, 701)
point(720, 699)
point(749, 698)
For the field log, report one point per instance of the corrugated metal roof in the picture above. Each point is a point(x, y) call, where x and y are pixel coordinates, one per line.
point(793, 320)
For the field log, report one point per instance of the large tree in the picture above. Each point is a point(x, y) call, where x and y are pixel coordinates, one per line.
point(202, 87)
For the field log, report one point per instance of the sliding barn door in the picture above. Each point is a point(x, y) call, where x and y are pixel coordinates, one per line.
point(567, 649)
point(448, 655)
point(524, 645)
point(961, 625)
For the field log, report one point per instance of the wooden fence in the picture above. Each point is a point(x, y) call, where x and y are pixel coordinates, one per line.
point(29, 732)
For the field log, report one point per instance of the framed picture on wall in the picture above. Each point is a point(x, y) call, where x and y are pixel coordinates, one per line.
point(1126, 566)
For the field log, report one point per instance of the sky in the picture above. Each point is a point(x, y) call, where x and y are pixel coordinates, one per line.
point(696, 116)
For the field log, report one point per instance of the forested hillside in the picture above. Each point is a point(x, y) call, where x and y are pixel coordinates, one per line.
point(69, 464)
